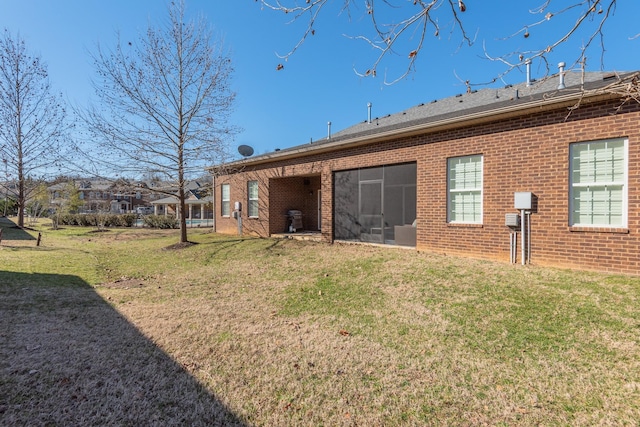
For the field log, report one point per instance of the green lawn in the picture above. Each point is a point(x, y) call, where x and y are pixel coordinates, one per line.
point(281, 332)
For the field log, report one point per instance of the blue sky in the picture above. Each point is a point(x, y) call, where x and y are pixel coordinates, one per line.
point(279, 109)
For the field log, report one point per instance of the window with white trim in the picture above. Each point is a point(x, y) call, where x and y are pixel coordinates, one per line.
point(464, 189)
point(252, 202)
point(598, 190)
point(226, 199)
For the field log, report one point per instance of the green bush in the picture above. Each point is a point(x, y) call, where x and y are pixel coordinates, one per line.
point(126, 220)
point(67, 219)
point(98, 220)
point(160, 221)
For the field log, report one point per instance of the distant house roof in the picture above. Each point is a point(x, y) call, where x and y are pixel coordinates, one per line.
point(193, 197)
point(462, 109)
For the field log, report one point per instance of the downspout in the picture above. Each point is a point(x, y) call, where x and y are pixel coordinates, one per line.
point(522, 236)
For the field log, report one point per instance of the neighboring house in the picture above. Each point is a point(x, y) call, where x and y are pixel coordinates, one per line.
point(102, 196)
point(198, 202)
point(442, 176)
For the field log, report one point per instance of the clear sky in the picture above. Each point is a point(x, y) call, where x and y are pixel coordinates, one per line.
point(279, 109)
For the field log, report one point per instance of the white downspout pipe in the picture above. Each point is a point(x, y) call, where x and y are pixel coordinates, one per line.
point(529, 237)
point(522, 236)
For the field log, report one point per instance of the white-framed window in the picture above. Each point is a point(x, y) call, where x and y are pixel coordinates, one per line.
point(598, 187)
point(225, 192)
point(464, 189)
point(252, 202)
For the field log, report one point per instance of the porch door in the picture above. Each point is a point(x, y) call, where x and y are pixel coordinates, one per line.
point(371, 216)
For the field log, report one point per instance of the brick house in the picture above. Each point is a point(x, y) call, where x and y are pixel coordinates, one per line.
point(446, 177)
point(102, 196)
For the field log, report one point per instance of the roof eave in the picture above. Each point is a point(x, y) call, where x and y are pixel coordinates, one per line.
point(463, 120)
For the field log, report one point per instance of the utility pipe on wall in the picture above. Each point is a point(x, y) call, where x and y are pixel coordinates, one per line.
point(513, 243)
point(528, 237)
point(522, 235)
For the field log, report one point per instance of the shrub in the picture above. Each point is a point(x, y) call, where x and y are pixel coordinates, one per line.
point(160, 221)
point(126, 220)
point(98, 220)
point(67, 219)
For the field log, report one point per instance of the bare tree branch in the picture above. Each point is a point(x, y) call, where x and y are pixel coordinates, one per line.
point(33, 119)
point(391, 36)
point(165, 102)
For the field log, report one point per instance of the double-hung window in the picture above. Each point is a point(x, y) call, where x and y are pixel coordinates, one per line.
point(598, 190)
point(252, 202)
point(225, 190)
point(464, 189)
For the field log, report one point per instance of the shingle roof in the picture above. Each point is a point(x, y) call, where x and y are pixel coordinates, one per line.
point(460, 106)
point(474, 101)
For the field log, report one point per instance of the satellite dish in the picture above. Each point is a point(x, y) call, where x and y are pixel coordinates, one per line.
point(245, 150)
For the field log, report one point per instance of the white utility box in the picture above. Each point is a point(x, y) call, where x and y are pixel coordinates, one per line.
point(512, 220)
point(523, 200)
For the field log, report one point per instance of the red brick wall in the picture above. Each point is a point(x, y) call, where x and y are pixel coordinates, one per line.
point(528, 153)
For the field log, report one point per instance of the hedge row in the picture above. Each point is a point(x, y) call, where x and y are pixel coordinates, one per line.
point(160, 221)
point(97, 220)
point(116, 220)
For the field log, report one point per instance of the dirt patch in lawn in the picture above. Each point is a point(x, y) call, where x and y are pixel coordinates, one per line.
point(180, 245)
point(124, 283)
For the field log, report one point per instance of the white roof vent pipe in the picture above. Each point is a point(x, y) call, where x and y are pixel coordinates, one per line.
point(369, 105)
point(528, 64)
point(561, 66)
point(328, 130)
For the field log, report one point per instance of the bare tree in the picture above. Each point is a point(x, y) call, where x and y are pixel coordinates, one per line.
point(405, 28)
point(165, 102)
point(32, 118)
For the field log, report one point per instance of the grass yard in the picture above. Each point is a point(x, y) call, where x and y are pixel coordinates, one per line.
point(114, 328)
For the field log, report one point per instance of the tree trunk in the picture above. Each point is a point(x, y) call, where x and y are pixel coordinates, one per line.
point(183, 216)
point(21, 196)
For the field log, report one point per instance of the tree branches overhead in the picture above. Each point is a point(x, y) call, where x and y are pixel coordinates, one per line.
point(409, 28)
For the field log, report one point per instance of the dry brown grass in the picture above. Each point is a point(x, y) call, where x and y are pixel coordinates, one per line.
point(275, 333)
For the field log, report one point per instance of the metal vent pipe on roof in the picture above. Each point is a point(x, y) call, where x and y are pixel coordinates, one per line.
point(528, 64)
point(328, 130)
point(369, 105)
point(561, 66)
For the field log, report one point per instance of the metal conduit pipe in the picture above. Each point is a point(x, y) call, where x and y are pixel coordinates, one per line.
point(522, 231)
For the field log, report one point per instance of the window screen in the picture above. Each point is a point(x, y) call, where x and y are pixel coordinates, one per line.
point(598, 181)
point(226, 199)
point(252, 203)
point(464, 202)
